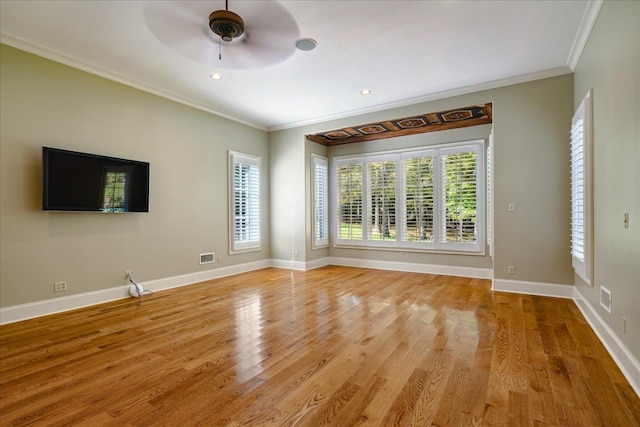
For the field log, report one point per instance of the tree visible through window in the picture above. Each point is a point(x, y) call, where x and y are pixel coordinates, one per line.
point(430, 198)
point(459, 189)
point(381, 215)
point(349, 184)
point(419, 199)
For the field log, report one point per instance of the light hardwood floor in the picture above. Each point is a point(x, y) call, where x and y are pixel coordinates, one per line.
point(334, 346)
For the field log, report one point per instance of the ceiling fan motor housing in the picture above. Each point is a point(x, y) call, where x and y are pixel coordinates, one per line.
point(226, 24)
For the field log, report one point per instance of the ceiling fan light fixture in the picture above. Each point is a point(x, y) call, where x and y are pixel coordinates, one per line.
point(226, 24)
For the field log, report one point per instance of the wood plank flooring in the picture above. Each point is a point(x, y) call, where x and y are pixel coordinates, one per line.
point(333, 346)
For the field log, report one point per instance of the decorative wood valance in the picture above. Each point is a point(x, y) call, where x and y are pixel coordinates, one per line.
point(430, 122)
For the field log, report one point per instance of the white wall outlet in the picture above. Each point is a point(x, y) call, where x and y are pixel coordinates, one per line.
point(511, 207)
point(511, 269)
point(127, 274)
point(59, 286)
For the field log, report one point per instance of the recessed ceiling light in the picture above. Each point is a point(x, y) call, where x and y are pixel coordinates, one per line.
point(306, 44)
point(216, 76)
point(365, 92)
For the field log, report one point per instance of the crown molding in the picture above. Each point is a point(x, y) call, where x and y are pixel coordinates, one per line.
point(553, 72)
point(56, 56)
point(584, 31)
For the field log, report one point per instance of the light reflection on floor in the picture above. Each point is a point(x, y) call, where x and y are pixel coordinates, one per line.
point(249, 345)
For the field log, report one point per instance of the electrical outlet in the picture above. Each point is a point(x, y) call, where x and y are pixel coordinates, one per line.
point(511, 269)
point(60, 287)
point(511, 207)
point(127, 274)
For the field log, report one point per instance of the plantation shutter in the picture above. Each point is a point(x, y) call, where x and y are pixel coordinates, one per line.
point(419, 199)
point(320, 201)
point(430, 198)
point(460, 200)
point(381, 198)
point(581, 209)
point(489, 187)
point(245, 202)
point(349, 200)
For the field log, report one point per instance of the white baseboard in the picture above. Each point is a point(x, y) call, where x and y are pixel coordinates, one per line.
point(30, 310)
point(299, 265)
point(317, 263)
point(627, 363)
point(533, 288)
point(289, 264)
point(56, 305)
point(447, 270)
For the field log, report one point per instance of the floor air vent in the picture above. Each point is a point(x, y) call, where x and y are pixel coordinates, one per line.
point(207, 258)
point(605, 298)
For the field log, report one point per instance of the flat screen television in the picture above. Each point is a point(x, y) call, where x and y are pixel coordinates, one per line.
point(83, 182)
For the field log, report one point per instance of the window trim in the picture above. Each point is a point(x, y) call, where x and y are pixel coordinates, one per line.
point(249, 245)
point(583, 265)
point(477, 248)
point(317, 241)
point(490, 195)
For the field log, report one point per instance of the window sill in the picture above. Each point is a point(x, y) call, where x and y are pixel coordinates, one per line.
point(412, 250)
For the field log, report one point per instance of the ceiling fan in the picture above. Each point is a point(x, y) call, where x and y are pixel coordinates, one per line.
point(256, 34)
point(226, 24)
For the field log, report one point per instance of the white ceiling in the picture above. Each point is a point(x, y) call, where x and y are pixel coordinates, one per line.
point(404, 51)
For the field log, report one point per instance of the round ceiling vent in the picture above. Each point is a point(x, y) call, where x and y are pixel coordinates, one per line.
point(306, 44)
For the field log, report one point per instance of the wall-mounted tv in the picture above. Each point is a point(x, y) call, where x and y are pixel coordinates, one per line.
point(83, 182)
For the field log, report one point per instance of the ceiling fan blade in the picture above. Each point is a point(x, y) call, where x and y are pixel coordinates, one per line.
point(182, 26)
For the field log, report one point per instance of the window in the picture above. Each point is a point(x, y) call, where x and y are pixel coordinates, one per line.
point(349, 200)
point(115, 191)
point(429, 199)
point(458, 209)
point(320, 177)
point(490, 194)
point(381, 206)
point(581, 190)
point(419, 198)
point(244, 224)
